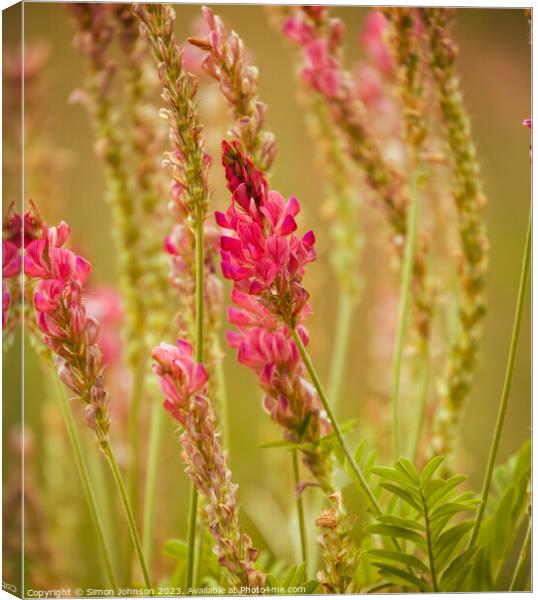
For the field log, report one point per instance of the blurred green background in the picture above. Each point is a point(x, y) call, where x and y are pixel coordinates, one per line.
point(494, 63)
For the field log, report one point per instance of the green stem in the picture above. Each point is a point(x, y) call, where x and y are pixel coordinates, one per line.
point(223, 403)
point(403, 309)
point(507, 381)
point(150, 489)
point(109, 453)
point(85, 480)
point(191, 539)
point(344, 313)
point(198, 348)
point(363, 484)
point(421, 407)
point(134, 444)
point(522, 559)
point(300, 508)
point(429, 542)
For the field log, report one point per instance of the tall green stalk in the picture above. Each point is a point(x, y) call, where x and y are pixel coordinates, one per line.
point(300, 509)
point(198, 349)
point(403, 310)
point(344, 314)
point(109, 453)
point(507, 381)
point(363, 484)
point(85, 480)
point(134, 445)
point(150, 488)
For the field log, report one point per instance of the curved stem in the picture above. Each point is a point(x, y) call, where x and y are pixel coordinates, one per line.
point(150, 488)
point(363, 484)
point(300, 508)
point(198, 349)
point(344, 313)
point(85, 480)
point(134, 445)
point(107, 449)
point(191, 539)
point(507, 381)
point(522, 559)
point(403, 309)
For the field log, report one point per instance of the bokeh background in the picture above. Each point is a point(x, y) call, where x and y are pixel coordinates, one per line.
point(494, 63)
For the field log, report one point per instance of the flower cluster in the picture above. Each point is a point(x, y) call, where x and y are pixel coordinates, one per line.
point(60, 313)
point(227, 62)
point(94, 36)
point(404, 33)
point(187, 160)
point(470, 201)
point(264, 257)
point(340, 554)
point(320, 38)
point(11, 261)
point(267, 348)
point(266, 261)
point(183, 383)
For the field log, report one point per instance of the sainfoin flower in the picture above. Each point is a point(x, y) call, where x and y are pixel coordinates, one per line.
point(183, 383)
point(266, 261)
point(61, 317)
point(264, 257)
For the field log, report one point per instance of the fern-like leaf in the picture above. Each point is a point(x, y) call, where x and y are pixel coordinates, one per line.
point(431, 522)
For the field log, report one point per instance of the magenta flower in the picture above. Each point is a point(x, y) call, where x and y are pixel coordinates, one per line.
point(264, 257)
point(61, 317)
point(180, 377)
point(183, 383)
point(528, 124)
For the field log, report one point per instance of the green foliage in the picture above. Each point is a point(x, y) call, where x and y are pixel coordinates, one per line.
point(364, 457)
point(424, 528)
point(293, 581)
point(505, 511)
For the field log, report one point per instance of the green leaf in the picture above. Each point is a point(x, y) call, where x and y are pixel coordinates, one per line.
point(407, 468)
point(450, 509)
point(391, 474)
point(403, 577)
point(448, 542)
point(451, 578)
point(440, 494)
point(430, 469)
point(400, 522)
point(175, 549)
point(395, 532)
point(310, 587)
point(395, 556)
point(405, 495)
